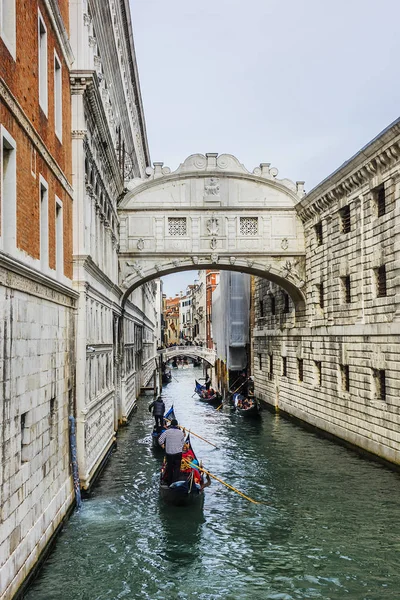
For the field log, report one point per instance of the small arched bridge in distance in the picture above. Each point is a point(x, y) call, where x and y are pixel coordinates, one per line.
point(212, 213)
point(206, 354)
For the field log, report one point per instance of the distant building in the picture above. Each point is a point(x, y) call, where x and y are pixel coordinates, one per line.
point(230, 319)
point(171, 318)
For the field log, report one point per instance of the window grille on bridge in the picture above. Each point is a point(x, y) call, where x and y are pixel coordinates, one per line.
point(380, 384)
point(248, 226)
point(345, 377)
point(177, 226)
point(318, 373)
point(346, 290)
point(300, 369)
point(318, 234)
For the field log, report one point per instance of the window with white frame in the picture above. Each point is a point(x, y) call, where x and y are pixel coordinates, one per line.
point(57, 97)
point(42, 58)
point(7, 25)
point(59, 239)
point(44, 224)
point(8, 212)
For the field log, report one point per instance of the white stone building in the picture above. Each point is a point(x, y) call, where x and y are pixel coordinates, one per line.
point(336, 365)
point(115, 343)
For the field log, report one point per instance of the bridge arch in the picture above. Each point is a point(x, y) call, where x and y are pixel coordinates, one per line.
point(212, 213)
point(206, 354)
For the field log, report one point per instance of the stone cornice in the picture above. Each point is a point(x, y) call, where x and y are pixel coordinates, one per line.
point(87, 83)
point(25, 124)
point(375, 158)
point(60, 30)
point(90, 267)
point(16, 274)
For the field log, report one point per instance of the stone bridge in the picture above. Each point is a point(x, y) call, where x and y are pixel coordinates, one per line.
point(212, 213)
point(191, 351)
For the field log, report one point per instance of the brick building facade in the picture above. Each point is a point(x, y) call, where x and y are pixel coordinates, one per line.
point(36, 296)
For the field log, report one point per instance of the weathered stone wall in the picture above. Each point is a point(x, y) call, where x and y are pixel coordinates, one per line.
point(347, 342)
point(37, 380)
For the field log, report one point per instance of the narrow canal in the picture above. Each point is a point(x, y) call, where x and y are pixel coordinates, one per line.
point(332, 530)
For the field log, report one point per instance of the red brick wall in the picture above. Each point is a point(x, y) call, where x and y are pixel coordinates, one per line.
point(21, 76)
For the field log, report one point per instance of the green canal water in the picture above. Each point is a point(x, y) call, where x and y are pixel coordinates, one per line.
point(331, 531)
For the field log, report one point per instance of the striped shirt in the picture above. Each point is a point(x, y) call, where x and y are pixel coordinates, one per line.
point(174, 439)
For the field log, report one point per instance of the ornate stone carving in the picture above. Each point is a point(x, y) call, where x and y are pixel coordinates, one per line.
point(211, 187)
point(232, 260)
point(250, 263)
point(157, 267)
point(176, 263)
point(284, 244)
point(289, 270)
point(136, 267)
point(140, 244)
point(214, 258)
point(213, 226)
point(195, 260)
point(213, 243)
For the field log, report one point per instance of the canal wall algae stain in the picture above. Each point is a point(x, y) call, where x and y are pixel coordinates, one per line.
point(323, 538)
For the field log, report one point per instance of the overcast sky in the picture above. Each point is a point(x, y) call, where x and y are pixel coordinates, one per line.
point(300, 84)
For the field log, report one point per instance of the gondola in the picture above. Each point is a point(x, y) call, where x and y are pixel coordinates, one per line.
point(169, 415)
point(201, 391)
point(166, 376)
point(250, 411)
point(184, 492)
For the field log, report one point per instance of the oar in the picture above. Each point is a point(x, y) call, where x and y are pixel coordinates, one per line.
point(196, 435)
point(194, 466)
point(220, 406)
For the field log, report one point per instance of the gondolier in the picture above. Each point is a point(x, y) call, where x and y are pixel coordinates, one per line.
point(174, 439)
point(158, 407)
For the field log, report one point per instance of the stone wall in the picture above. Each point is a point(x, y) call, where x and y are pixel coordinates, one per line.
point(37, 381)
point(337, 366)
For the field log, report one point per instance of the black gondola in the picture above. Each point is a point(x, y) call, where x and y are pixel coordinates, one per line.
point(201, 391)
point(247, 407)
point(167, 376)
point(185, 491)
point(169, 415)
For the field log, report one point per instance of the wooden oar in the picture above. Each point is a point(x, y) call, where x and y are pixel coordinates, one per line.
point(220, 406)
point(194, 466)
point(195, 434)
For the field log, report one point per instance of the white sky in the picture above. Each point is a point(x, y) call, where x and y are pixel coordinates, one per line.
point(300, 84)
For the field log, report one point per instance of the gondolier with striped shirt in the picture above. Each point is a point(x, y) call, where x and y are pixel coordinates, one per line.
point(174, 438)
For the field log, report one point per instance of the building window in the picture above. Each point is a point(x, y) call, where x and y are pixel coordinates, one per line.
point(320, 291)
point(318, 373)
point(260, 361)
point(271, 366)
point(380, 384)
point(284, 366)
point(8, 191)
point(345, 377)
point(300, 369)
point(379, 196)
point(273, 309)
point(44, 225)
point(59, 239)
point(318, 233)
point(52, 418)
point(261, 304)
point(345, 219)
point(285, 303)
point(346, 290)
point(42, 33)
point(248, 226)
point(380, 278)
point(24, 437)
point(57, 97)
point(177, 226)
point(7, 25)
